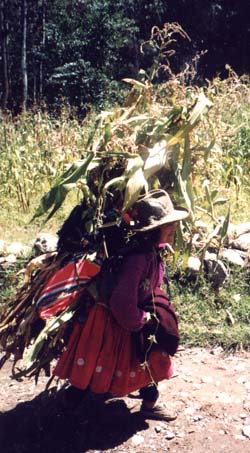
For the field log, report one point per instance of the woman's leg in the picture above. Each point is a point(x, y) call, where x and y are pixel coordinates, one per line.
point(149, 395)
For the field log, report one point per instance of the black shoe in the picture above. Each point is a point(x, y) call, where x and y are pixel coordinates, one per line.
point(72, 397)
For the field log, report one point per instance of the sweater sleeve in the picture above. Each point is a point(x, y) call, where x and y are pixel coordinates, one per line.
point(124, 300)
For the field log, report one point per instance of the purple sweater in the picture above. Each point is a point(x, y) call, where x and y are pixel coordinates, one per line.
point(140, 274)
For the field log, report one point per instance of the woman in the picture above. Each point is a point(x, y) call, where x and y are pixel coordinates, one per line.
point(109, 353)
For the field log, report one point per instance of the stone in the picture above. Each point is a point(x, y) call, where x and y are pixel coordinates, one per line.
point(233, 256)
point(242, 242)
point(194, 264)
point(169, 435)
point(246, 431)
point(217, 350)
point(215, 269)
point(18, 249)
point(44, 243)
point(234, 231)
point(197, 418)
point(137, 439)
point(180, 435)
point(7, 261)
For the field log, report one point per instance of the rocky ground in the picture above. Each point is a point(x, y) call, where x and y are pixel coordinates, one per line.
point(210, 391)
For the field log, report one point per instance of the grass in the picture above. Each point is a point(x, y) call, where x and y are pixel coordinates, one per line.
point(215, 318)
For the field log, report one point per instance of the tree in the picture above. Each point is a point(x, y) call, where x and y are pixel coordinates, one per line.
point(24, 56)
point(4, 35)
point(80, 50)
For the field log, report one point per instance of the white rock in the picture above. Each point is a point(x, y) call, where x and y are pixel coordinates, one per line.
point(169, 435)
point(242, 242)
point(233, 256)
point(246, 431)
point(45, 242)
point(234, 231)
point(217, 350)
point(180, 435)
point(18, 249)
point(6, 260)
point(194, 263)
point(197, 418)
point(137, 439)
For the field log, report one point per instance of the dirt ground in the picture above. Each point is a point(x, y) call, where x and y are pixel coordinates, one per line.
point(210, 391)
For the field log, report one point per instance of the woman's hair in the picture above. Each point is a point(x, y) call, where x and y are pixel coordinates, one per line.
point(114, 239)
point(145, 241)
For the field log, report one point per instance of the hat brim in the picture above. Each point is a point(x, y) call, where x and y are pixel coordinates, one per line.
point(175, 216)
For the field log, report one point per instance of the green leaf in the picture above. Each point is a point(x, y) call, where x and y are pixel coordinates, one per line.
point(224, 228)
point(56, 196)
point(201, 107)
point(185, 187)
point(156, 159)
point(133, 189)
point(51, 326)
point(220, 201)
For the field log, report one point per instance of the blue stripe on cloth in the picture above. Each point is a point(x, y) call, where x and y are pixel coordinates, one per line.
point(53, 295)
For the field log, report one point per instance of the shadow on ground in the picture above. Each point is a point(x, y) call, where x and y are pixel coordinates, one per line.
point(45, 424)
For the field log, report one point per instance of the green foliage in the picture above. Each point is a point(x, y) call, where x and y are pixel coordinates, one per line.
point(87, 40)
point(76, 50)
point(231, 128)
point(34, 147)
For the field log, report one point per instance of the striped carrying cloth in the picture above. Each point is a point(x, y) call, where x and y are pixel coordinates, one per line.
point(67, 285)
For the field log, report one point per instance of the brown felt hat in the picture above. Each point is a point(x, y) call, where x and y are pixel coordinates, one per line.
point(154, 210)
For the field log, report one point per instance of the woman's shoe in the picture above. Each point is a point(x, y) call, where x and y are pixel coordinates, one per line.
point(72, 397)
point(158, 412)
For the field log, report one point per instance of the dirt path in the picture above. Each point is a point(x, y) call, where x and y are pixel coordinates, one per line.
point(210, 391)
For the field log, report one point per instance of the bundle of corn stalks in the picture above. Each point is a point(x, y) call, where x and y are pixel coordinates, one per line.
point(148, 143)
point(20, 326)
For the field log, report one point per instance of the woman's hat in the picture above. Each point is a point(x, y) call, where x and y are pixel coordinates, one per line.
point(153, 210)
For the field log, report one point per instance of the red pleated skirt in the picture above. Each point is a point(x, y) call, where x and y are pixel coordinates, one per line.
point(101, 355)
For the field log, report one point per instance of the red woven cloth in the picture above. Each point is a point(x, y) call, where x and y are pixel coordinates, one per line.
point(65, 287)
point(101, 355)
